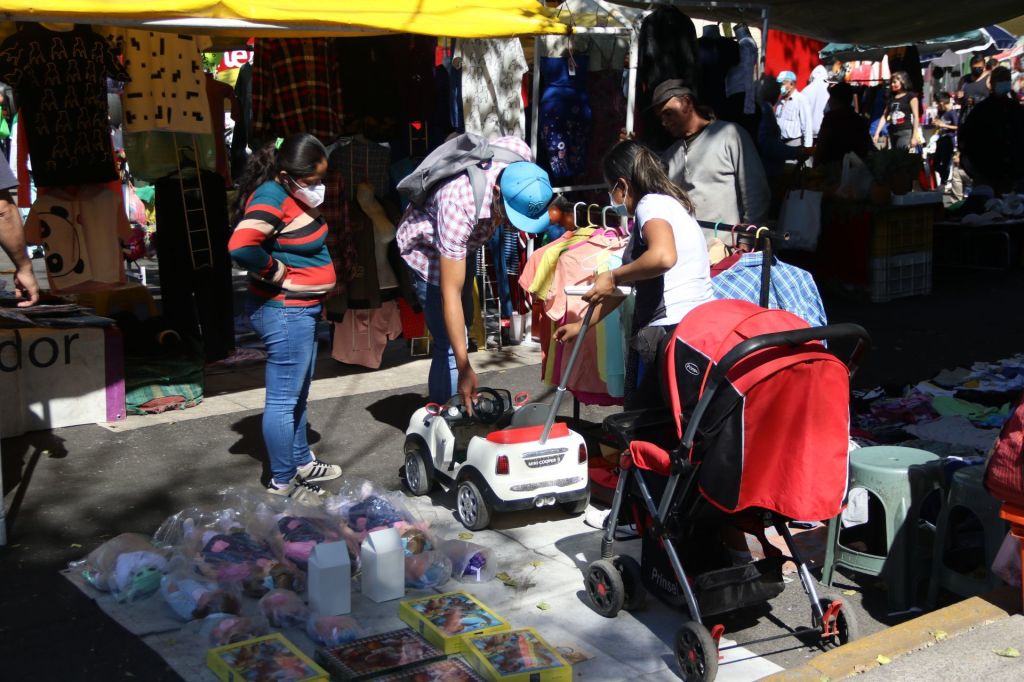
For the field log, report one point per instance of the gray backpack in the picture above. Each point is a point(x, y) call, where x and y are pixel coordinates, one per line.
point(465, 153)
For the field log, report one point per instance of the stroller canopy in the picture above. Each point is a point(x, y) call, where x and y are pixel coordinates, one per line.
point(776, 432)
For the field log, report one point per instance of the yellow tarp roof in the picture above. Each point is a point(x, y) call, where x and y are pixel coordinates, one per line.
point(449, 18)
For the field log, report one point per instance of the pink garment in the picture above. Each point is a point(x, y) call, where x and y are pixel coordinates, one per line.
point(578, 265)
point(529, 271)
point(360, 337)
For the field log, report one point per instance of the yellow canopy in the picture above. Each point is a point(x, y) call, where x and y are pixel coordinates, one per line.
point(449, 18)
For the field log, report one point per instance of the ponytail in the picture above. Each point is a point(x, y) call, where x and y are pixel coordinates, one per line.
point(297, 155)
point(644, 171)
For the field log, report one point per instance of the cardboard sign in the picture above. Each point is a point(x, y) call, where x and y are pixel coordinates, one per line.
point(52, 378)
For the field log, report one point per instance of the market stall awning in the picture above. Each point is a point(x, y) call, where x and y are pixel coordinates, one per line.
point(955, 42)
point(452, 18)
point(864, 22)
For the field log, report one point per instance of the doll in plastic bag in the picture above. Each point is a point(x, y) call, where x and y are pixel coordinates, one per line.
point(332, 631)
point(221, 629)
point(192, 597)
point(471, 563)
point(128, 566)
point(283, 608)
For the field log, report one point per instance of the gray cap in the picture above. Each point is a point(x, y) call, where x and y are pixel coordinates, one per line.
point(666, 90)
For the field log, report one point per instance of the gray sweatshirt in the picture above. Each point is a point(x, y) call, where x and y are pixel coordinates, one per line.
point(722, 172)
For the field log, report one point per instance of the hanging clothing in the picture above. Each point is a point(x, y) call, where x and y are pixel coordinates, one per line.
point(362, 335)
point(492, 80)
point(718, 55)
point(296, 89)
point(218, 94)
point(168, 86)
point(60, 81)
point(792, 289)
point(608, 106)
point(81, 229)
point(565, 114)
point(740, 78)
point(667, 49)
point(195, 299)
point(789, 52)
point(243, 120)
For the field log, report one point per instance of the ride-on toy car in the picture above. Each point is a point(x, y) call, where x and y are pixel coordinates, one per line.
point(508, 456)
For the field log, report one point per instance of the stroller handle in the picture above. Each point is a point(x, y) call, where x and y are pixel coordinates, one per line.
point(795, 337)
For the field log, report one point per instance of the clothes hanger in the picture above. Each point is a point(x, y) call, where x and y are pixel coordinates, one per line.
point(575, 216)
point(590, 220)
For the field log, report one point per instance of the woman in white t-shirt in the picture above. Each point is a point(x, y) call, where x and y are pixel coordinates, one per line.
point(666, 261)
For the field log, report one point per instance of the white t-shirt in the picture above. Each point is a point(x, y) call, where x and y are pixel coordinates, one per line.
point(688, 282)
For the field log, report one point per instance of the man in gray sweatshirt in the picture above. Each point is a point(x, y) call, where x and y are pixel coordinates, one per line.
point(714, 161)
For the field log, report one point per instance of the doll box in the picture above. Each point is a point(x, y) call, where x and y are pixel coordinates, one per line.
point(264, 659)
point(371, 656)
point(451, 669)
point(519, 655)
point(444, 619)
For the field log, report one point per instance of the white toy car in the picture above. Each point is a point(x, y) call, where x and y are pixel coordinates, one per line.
point(509, 456)
point(496, 460)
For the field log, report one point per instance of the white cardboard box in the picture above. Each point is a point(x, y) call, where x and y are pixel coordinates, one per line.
point(383, 565)
point(330, 579)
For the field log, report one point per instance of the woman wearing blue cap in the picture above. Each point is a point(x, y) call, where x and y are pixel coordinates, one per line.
point(666, 261)
point(435, 238)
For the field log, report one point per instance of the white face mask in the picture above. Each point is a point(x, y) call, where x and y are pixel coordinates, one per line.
point(311, 196)
point(618, 208)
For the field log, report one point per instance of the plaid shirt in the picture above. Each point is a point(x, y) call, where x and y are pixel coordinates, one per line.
point(295, 88)
point(445, 225)
point(792, 289)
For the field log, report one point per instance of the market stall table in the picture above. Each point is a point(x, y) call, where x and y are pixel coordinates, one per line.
point(983, 246)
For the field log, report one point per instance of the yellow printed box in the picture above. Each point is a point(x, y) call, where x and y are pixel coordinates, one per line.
point(519, 655)
point(264, 659)
point(444, 619)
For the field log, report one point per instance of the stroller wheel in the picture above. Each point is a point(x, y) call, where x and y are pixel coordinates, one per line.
point(633, 582)
point(696, 653)
point(847, 628)
point(474, 512)
point(604, 587)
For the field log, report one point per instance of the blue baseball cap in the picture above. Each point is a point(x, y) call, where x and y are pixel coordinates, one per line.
point(526, 193)
point(786, 76)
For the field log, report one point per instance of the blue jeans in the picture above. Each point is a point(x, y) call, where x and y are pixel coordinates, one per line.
point(289, 335)
point(443, 379)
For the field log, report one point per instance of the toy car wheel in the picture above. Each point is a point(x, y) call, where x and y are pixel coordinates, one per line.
point(848, 629)
point(417, 477)
point(576, 507)
point(604, 587)
point(474, 512)
point(696, 653)
point(632, 582)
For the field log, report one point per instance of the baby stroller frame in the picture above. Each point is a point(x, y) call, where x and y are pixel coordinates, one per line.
point(616, 582)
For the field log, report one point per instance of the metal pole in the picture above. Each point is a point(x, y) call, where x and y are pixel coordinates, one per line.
point(764, 40)
point(560, 391)
point(535, 104)
point(3, 506)
point(634, 56)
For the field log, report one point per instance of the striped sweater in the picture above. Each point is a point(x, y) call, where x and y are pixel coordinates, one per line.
point(277, 228)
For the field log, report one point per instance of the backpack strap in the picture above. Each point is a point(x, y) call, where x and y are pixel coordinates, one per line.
point(478, 176)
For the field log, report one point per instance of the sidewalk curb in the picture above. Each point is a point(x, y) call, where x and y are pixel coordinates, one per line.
point(861, 655)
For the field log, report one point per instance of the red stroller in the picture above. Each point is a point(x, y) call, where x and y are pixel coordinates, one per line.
point(765, 408)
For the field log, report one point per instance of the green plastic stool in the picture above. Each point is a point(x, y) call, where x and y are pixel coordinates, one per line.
point(967, 491)
point(900, 478)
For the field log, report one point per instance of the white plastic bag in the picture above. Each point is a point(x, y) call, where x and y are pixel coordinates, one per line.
point(471, 563)
point(800, 216)
point(856, 179)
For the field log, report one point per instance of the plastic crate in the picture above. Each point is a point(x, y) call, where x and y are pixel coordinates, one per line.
point(908, 274)
point(901, 230)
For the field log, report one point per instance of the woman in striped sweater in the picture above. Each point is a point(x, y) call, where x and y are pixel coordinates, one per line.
point(280, 240)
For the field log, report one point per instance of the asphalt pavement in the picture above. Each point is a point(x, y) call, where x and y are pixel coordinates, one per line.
point(70, 489)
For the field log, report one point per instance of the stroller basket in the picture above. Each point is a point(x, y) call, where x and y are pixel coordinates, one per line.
point(737, 587)
point(718, 591)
